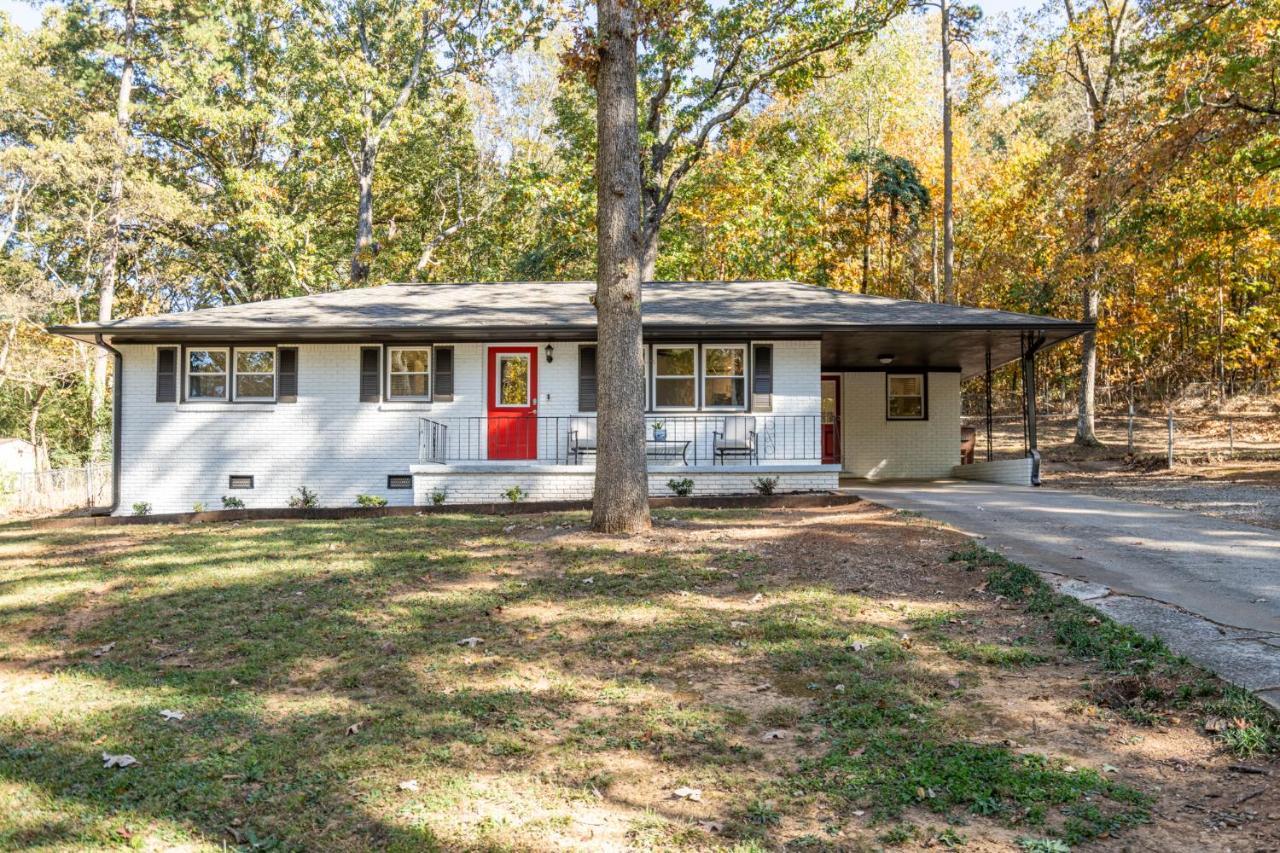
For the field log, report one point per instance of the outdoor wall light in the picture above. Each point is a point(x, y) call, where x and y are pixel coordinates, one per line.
point(885, 359)
point(550, 352)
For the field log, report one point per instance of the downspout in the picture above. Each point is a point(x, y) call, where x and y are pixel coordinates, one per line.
point(117, 407)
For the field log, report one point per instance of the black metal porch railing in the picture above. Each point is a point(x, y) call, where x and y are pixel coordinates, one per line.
point(571, 439)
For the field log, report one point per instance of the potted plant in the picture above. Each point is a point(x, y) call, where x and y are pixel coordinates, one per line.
point(659, 431)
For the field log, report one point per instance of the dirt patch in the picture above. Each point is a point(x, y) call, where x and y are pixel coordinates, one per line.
point(1247, 492)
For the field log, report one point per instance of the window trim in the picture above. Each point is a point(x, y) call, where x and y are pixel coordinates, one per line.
point(235, 374)
point(228, 372)
point(387, 396)
point(500, 357)
point(702, 380)
point(696, 377)
point(924, 395)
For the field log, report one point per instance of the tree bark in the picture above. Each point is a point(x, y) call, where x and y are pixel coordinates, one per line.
point(107, 282)
point(621, 499)
point(948, 213)
point(1090, 297)
point(365, 249)
point(649, 253)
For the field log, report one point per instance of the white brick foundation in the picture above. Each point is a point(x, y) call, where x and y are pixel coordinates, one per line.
point(488, 483)
point(1006, 472)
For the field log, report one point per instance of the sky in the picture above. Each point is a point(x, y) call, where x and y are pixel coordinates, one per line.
point(27, 15)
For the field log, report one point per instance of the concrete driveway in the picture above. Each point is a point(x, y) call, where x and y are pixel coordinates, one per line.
point(1209, 588)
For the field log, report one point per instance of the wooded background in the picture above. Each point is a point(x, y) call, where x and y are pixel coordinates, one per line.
point(159, 155)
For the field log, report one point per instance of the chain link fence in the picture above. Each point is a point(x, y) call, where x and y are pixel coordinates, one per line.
point(56, 490)
point(1171, 438)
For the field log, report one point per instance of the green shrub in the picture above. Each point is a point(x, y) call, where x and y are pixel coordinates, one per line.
point(198, 506)
point(142, 508)
point(515, 494)
point(439, 496)
point(232, 503)
point(682, 488)
point(304, 499)
point(370, 500)
point(766, 485)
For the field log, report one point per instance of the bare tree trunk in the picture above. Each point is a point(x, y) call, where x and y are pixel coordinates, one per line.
point(365, 248)
point(621, 500)
point(948, 213)
point(1090, 297)
point(866, 228)
point(107, 283)
point(33, 419)
point(649, 254)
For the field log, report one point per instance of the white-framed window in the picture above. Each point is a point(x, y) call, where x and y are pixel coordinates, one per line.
point(255, 373)
point(207, 373)
point(724, 377)
point(675, 377)
point(408, 373)
point(513, 380)
point(905, 393)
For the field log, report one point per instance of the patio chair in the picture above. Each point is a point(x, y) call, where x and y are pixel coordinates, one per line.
point(737, 437)
point(968, 439)
point(582, 438)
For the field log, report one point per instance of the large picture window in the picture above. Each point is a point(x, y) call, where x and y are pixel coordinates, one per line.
point(207, 374)
point(255, 376)
point(675, 377)
point(906, 397)
point(724, 377)
point(409, 373)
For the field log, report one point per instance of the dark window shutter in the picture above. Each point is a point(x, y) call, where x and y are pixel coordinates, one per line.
point(444, 374)
point(586, 379)
point(167, 375)
point(370, 378)
point(762, 380)
point(288, 375)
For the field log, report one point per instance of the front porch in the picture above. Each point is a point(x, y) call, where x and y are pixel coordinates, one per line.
point(484, 459)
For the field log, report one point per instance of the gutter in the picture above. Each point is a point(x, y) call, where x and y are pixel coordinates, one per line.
point(117, 408)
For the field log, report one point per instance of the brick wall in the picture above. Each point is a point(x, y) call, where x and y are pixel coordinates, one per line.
point(881, 449)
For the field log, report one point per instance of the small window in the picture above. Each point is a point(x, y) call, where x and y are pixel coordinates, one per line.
point(255, 374)
point(513, 380)
point(906, 397)
point(724, 377)
point(399, 481)
point(409, 373)
point(240, 481)
point(675, 377)
point(207, 374)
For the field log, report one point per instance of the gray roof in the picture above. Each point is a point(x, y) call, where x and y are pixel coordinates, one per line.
point(773, 309)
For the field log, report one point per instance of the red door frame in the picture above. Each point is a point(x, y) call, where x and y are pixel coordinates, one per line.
point(831, 431)
point(513, 430)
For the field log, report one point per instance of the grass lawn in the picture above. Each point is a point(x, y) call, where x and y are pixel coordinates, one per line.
point(845, 678)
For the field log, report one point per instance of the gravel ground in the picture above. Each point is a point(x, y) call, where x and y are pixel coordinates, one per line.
point(1238, 491)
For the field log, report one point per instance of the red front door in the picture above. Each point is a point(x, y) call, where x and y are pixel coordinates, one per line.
point(513, 403)
point(830, 420)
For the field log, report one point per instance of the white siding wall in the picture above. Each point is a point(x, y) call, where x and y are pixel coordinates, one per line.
point(880, 449)
point(174, 455)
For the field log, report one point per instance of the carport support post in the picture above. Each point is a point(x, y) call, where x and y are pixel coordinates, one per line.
point(1029, 397)
point(988, 389)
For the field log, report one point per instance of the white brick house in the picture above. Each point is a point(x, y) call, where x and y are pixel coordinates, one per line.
point(421, 393)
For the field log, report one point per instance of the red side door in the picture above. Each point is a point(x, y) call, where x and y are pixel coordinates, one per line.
point(513, 403)
point(830, 419)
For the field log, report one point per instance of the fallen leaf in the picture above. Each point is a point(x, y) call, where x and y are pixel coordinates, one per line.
point(353, 728)
point(713, 826)
point(173, 715)
point(953, 683)
point(757, 598)
point(409, 785)
point(858, 645)
point(693, 794)
point(123, 760)
point(774, 734)
point(588, 580)
point(102, 650)
point(736, 624)
point(470, 642)
point(1110, 768)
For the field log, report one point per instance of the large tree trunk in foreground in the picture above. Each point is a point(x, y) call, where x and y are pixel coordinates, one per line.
point(621, 500)
point(107, 283)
